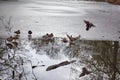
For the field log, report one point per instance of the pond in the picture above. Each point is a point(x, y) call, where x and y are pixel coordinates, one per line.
point(37, 60)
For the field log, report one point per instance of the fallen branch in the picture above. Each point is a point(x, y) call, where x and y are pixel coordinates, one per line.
point(59, 65)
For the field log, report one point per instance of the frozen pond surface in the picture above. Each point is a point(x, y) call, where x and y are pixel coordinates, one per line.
point(61, 17)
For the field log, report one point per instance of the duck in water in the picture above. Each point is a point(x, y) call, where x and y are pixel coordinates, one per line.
point(64, 40)
point(48, 38)
point(12, 42)
point(72, 40)
point(17, 32)
point(10, 39)
point(17, 35)
point(29, 34)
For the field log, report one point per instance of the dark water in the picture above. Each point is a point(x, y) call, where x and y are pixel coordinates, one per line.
point(31, 59)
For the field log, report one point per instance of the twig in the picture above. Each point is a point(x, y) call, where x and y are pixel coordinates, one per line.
point(33, 71)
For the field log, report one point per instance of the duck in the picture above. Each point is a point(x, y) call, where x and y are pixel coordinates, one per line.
point(29, 32)
point(16, 37)
point(17, 32)
point(12, 45)
point(9, 45)
point(50, 35)
point(64, 40)
point(10, 39)
point(88, 25)
point(73, 39)
point(70, 37)
point(29, 35)
point(84, 72)
point(48, 38)
point(15, 43)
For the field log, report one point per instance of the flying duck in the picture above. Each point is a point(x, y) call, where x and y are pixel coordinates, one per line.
point(88, 25)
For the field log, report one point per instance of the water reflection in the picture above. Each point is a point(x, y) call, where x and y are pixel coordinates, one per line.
point(26, 61)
